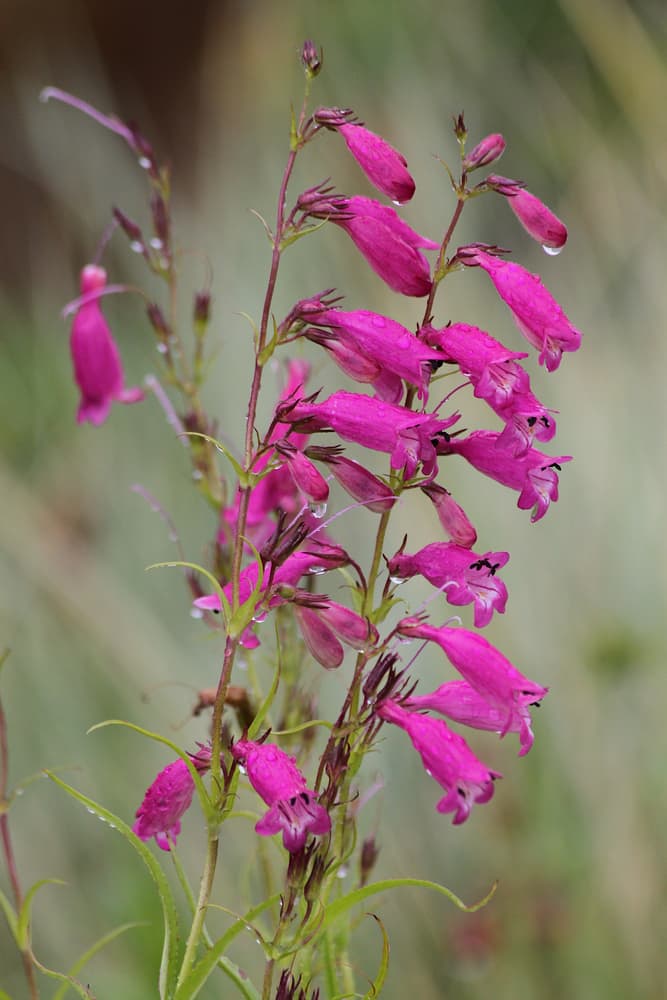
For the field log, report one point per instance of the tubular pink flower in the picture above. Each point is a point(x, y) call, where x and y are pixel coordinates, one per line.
point(97, 366)
point(452, 517)
point(384, 166)
point(405, 435)
point(390, 345)
point(465, 577)
point(486, 669)
point(490, 148)
point(533, 474)
point(538, 220)
point(293, 807)
point(352, 628)
point(319, 638)
point(358, 366)
point(307, 477)
point(536, 312)
point(362, 484)
point(460, 702)
point(167, 799)
point(387, 242)
point(446, 757)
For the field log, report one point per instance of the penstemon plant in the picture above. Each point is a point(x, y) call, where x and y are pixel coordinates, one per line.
point(274, 552)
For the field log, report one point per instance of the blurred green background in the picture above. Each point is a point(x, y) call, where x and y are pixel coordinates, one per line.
point(575, 833)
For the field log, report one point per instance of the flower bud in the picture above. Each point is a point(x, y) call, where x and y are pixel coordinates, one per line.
point(490, 149)
point(311, 59)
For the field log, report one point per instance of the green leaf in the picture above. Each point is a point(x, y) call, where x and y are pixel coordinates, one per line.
point(169, 963)
point(82, 990)
point(10, 914)
point(204, 798)
point(90, 952)
point(200, 973)
point(23, 924)
point(223, 449)
point(378, 982)
point(340, 906)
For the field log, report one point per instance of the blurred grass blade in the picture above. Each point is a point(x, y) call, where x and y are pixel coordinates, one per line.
point(23, 923)
point(94, 948)
point(340, 906)
point(169, 963)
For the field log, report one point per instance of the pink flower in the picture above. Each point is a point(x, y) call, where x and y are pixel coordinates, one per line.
point(323, 621)
point(384, 166)
point(460, 702)
point(538, 220)
point(536, 312)
point(486, 669)
point(405, 435)
point(452, 517)
point(97, 366)
point(293, 807)
point(533, 474)
point(362, 484)
point(489, 149)
point(167, 799)
point(446, 757)
point(387, 242)
point(391, 346)
point(464, 576)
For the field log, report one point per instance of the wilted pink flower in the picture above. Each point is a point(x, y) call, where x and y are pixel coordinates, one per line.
point(97, 366)
point(391, 346)
point(460, 702)
point(405, 435)
point(167, 799)
point(490, 148)
point(465, 577)
point(446, 757)
point(387, 242)
point(452, 517)
point(486, 669)
point(362, 484)
point(293, 807)
point(533, 474)
point(536, 312)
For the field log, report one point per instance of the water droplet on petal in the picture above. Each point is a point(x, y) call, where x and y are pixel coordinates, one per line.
point(317, 570)
point(144, 162)
point(156, 243)
point(318, 510)
point(552, 251)
point(136, 246)
point(196, 613)
point(379, 321)
point(398, 580)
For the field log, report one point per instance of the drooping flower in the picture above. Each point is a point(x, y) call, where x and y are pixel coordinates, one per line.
point(167, 799)
point(538, 220)
point(460, 702)
point(97, 366)
point(405, 435)
point(486, 669)
point(446, 757)
point(391, 346)
point(535, 311)
point(465, 577)
point(384, 166)
point(360, 483)
point(451, 515)
point(388, 243)
point(293, 807)
point(533, 474)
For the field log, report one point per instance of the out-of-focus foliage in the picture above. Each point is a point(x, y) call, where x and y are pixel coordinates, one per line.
point(575, 833)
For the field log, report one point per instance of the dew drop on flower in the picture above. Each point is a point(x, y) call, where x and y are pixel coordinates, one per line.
point(342, 872)
point(552, 251)
point(156, 243)
point(196, 613)
point(136, 246)
point(162, 348)
point(397, 580)
point(144, 162)
point(318, 510)
point(317, 570)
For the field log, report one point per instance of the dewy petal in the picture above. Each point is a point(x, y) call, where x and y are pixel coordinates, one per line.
point(465, 577)
point(97, 366)
point(446, 757)
point(383, 165)
point(461, 703)
point(538, 220)
point(389, 344)
point(536, 312)
point(533, 474)
point(452, 517)
point(293, 807)
point(167, 799)
point(486, 669)
point(400, 266)
point(405, 435)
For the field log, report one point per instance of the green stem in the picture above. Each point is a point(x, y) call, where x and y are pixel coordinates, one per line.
point(200, 911)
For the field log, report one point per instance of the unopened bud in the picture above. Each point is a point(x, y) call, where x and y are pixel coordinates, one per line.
point(157, 320)
point(369, 855)
point(451, 516)
point(490, 149)
point(311, 59)
point(129, 227)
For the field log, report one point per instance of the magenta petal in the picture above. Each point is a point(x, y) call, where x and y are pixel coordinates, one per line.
point(383, 165)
